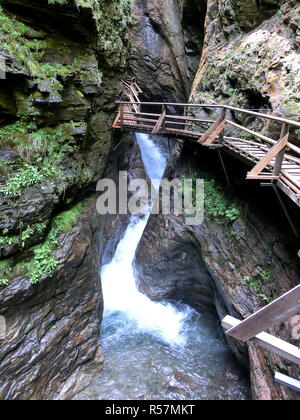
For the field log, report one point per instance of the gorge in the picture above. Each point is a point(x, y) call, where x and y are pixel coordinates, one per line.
point(65, 62)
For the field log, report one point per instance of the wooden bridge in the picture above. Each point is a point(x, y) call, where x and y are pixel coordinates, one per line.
point(274, 161)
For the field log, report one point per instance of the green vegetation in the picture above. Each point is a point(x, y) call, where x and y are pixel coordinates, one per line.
point(42, 152)
point(24, 236)
point(112, 19)
point(42, 263)
point(28, 176)
point(5, 272)
point(217, 205)
point(262, 278)
point(28, 47)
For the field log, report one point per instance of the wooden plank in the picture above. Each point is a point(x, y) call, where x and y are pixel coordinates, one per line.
point(142, 119)
point(289, 192)
point(277, 311)
point(213, 128)
point(159, 123)
point(269, 342)
point(232, 108)
point(278, 147)
point(287, 381)
point(254, 133)
point(292, 180)
point(235, 140)
point(264, 177)
point(215, 134)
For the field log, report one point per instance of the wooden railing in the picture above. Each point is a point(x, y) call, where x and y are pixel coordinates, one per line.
point(253, 328)
point(274, 159)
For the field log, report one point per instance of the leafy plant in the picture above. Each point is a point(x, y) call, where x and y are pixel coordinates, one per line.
point(26, 177)
point(216, 204)
point(261, 278)
point(43, 262)
point(4, 282)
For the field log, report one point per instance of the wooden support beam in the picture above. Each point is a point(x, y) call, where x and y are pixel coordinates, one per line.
point(287, 381)
point(277, 311)
point(264, 177)
point(215, 134)
point(213, 128)
point(273, 152)
point(116, 121)
point(122, 116)
point(159, 123)
point(280, 156)
point(267, 341)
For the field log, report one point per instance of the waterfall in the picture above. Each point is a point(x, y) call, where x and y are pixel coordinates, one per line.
point(119, 283)
point(153, 351)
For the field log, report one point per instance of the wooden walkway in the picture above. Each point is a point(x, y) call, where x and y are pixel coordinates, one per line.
point(276, 161)
point(273, 161)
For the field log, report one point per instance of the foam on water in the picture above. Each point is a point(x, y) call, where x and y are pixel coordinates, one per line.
point(119, 285)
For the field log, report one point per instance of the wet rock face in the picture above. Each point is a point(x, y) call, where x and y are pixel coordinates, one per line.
point(169, 266)
point(56, 109)
point(53, 327)
point(57, 103)
point(167, 40)
point(240, 265)
point(251, 55)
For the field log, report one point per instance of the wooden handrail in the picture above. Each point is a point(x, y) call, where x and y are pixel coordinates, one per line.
point(275, 312)
point(291, 146)
point(232, 108)
point(269, 342)
point(274, 164)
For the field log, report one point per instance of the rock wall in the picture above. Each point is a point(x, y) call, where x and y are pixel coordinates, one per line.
point(52, 327)
point(251, 58)
point(64, 64)
point(167, 39)
point(239, 259)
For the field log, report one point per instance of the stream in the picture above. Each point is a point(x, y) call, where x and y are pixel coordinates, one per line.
point(158, 351)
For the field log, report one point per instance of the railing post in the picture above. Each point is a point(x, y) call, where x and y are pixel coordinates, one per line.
point(215, 130)
point(280, 156)
point(122, 116)
point(163, 111)
point(223, 116)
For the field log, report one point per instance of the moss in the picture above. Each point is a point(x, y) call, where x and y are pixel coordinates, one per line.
point(17, 40)
point(42, 153)
point(25, 235)
point(65, 221)
point(43, 263)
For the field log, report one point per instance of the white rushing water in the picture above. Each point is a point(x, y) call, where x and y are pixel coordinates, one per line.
point(119, 284)
point(155, 351)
